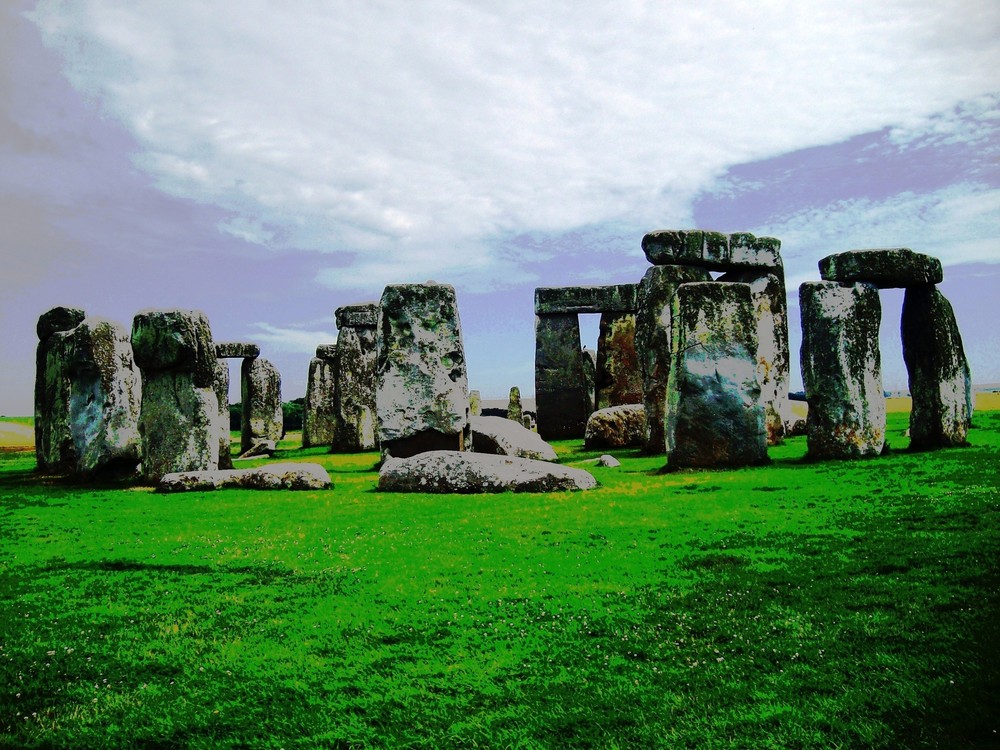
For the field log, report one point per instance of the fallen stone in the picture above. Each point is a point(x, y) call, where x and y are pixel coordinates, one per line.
point(504, 437)
point(258, 449)
point(885, 268)
point(609, 461)
point(474, 473)
point(711, 250)
point(236, 350)
point(283, 476)
point(616, 427)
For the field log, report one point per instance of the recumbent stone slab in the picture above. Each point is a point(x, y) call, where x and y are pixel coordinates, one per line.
point(469, 473)
point(504, 437)
point(281, 476)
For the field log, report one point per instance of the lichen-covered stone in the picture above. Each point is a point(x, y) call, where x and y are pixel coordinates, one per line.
point(319, 410)
point(617, 378)
point(175, 339)
point(616, 427)
point(356, 393)
point(221, 388)
point(652, 343)
point(474, 473)
point(501, 436)
point(842, 369)
point(711, 250)
point(260, 387)
point(236, 350)
point(561, 389)
point(885, 268)
point(475, 403)
point(327, 351)
point(714, 416)
point(585, 299)
point(282, 476)
point(58, 319)
point(940, 380)
point(361, 315)
point(422, 400)
point(514, 410)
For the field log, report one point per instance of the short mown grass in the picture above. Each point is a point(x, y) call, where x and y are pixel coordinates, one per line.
point(831, 604)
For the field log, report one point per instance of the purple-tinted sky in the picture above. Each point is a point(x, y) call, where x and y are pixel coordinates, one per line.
point(269, 166)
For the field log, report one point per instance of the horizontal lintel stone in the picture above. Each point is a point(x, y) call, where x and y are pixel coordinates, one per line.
point(887, 268)
point(326, 351)
point(236, 350)
point(357, 316)
point(554, 300)
point(715, 251)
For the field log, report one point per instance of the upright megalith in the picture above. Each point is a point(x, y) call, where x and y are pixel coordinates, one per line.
point(618, 380)
point(88, 397)
point(319, 410)
point(514, 408)
point(714, 415)
point(179, 417)
point(260, 388)
point(842, 369)
point(940, 381)
point(562, 397)
point(356, 379)
point(652, 343)
point(422, 401)
point(221, 387)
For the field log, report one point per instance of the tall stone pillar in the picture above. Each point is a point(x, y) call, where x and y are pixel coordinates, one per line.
point(260, 389)
point(618, 378)
point(714, 416)
point(53, 439)
point(179, 416)
point(842, 369)
point(940, 381)
point(356, 379)
point(319, 411)
point(422, 401)
point(562, 404)
point(221, 387)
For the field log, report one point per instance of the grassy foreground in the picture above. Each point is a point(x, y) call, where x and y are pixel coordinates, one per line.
point(798, 605)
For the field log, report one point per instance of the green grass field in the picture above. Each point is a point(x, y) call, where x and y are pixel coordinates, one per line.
point(801, 605)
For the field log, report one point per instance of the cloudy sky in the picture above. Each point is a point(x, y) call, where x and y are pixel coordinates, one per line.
point(268, 162)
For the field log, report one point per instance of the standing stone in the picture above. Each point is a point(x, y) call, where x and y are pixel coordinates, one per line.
point(260, 387)
point(221, 387)
point(422, 400)
point(561, 389)
point(842, 369)
point(588, 359)
point(940, 381)
point(92, 422)
point(514, 410)
point(618, 380)
point(714, 415)
point(319, 410)
point(652, 343)
point(771, 312)
point(475, 404)
point(178, 421)
point(355, 394)
point(53, 441)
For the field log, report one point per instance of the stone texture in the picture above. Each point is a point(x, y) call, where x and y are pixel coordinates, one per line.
point(87, 396)
point(562, 401)
point(179, 417)
point(475, 403)
point(617, 378)
point(885, 268)
point(422, 399)
point(714, 416)
point(514, 410)
point(58, 319)
point(842, 369)
point(474, 473)
point(585, 299)
point(504, 437)
point(361, 315)
point(236, 350)
point(773, 360)
point(609, 462)
point(652, 343)
point(327, 351)
point(711, 250)
point(281, 476)
point(221, 388)
point(616, 427)
point(260, 388)
point(319, 410)
point(356, 391)
point(940, 380)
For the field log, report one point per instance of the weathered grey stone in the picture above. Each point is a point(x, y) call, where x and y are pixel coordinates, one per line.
point(714, 416)
point(319, 410)
point(468, 473)
point(940, 380)
point(617, 379)
point(58, 319)
point(504, 437)
point(514, 410)
point(327, 351)
point(87, 397)
point(608, 461)
point(767, 289)
point(561, 389)
point(236, 350)
point(260, 388)
point(885, 268)
point(588, 360)
point(179, 416)
point(362, 315)
point(356, 392)
point(616, 427)
point(422, 400)
point(842, 369)
point(652, 343)
point(585, 299)
point(475, 403)
point(711, 250)
point(282, 476)
point(221, 388)
point(259, 449)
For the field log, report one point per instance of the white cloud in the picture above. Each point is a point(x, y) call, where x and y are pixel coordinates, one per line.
point(409, 133)
point(294, 340)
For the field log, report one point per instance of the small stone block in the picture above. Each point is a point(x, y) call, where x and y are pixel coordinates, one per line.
point(236, 350)
point(357, 316)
